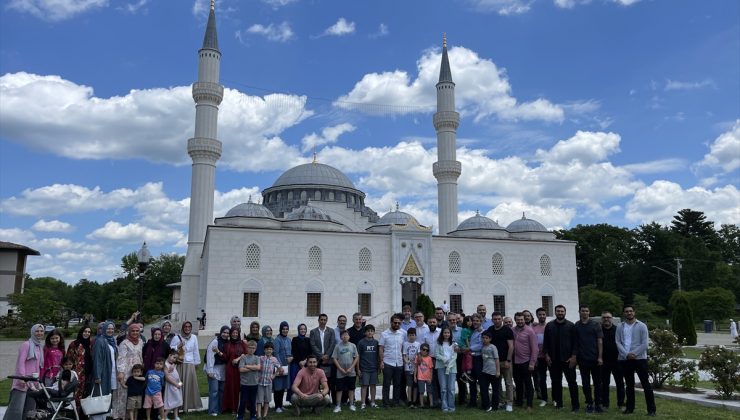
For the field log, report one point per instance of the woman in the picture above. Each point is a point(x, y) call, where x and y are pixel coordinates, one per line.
point(80, 350)
point(234, 349)
point(105, 355)
point(155, 347)
point(29, 363)
point(266, 338)
point(167, 333)
point(300, 348)
point(254, 332)
point(189, 343)
point(129, 354)
point(53, 354)
point(215, 369)
point(283, 353)
point(446, 366)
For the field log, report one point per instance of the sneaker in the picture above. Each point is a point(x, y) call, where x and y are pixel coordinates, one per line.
point(279, 410)
point(362, 407)
point(489, 409)
point(373, 405)
point(337, 409)
point(352, 407)
point(509, 408)
point(543, 403)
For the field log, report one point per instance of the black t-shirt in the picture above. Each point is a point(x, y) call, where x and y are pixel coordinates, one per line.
point(356, 335)
point(135, 387)
point(499, 338)
point(586, 336)
point(610, 351)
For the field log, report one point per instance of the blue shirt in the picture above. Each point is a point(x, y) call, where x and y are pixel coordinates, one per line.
point(154, 381)
point(476, 342)
point(456, 333)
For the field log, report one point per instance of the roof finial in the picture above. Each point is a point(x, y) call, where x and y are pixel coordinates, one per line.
point(523, 216)
point(444, 40)
point(314, 153)
point(250, 198)
point(396, 205)
point(213, 4)
point(477, 213)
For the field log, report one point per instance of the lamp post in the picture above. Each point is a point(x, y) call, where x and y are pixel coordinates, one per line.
point(143, 256)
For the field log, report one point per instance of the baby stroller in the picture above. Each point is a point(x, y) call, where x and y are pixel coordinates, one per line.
point(51, 402)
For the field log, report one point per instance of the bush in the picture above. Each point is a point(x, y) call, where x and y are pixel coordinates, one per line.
point(682, 322)
point(724, 366)
point(425, 305)
point(664, 358)
point(599, 301)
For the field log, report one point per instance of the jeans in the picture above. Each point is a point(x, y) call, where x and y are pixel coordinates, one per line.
point(590, 370)
point(523, 383)
point(247, 400)
point(215, 393)
point(557, 369)
point(446, 389)
point(540, 381)
point(639, 366)
point(607, 370)
point(392, 374)
point(485, 381)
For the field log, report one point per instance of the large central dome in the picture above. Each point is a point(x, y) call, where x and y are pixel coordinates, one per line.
point(314, 174)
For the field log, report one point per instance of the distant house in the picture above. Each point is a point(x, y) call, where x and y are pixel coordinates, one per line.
point(12, 271)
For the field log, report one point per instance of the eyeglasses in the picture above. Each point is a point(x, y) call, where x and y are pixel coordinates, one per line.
point(606, 317)
point(424, 349)
point(396, 322)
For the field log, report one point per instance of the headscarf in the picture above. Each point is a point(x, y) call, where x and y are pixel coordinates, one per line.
point(282, 325)
point(110, 338)
point(134, 341)
point(251, 336)
point(35, 341)
point(302, 336)
point(220, 341)
point(182, 330)
point(166, 322)
point(153, 348)
point(235, 318)
point(85, 343)
point(265, 338)
point(100, 330)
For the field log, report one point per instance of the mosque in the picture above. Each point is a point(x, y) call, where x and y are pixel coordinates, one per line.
point(312, 246)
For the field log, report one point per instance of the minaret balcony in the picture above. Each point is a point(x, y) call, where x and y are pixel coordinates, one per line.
point(204, 150)
point(208, 91)
point(446, 119)
point(447, 169)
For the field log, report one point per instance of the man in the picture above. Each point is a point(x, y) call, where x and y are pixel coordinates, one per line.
point(485, 322)
point(391, 360)
point(439, 315)
point(306, 390)
point(357, 330)
point(559, 346)
point(632, 344)
point(528, 318)
point(525, 359)
point(431, 339)
point(323, 341)
point(503, 338)
point(540, 373)
point(421, 328)
point(611, 365)
point(476, 345)
point(407, 321)
point(589, 344)
point(509, 322)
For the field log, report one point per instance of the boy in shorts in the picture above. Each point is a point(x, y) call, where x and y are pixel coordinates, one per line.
point(135, 386)
point(367, 348)
point(345, 359)
point(269, 366)
point(423, 375)
point(409, 350)
point(153, 392)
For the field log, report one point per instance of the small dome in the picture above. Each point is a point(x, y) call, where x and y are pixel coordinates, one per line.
point(526, 225)
point(249, 209)
point(307, 212)
point(313, 174)
point(478, 222)
point(396, 217)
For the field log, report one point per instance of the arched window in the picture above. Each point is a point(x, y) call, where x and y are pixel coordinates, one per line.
point(497, 264)
point(317, 195)
point(253, 257)
point(314, 259)
point(454, 262)
point(290, 195)
point(303, 195)
point(331, 195)
point(365, 260)
point(545, 266)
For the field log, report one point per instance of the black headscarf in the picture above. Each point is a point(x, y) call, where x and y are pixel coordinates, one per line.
point(85, 343)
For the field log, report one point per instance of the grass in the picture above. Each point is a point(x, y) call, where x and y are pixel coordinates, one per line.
point(5, 385)
point(692, 352)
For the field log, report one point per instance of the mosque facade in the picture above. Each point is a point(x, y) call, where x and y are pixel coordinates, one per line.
point(313, 246)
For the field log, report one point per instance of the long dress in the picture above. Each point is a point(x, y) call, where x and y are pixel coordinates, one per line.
point(129, 354)
point(190, 392)
point(172, 395)
point(78, 353)
point(230, 401)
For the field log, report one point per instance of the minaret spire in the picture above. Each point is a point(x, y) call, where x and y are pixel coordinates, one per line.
point(447, 169)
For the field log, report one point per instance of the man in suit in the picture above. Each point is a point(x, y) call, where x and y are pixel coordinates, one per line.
point(322, 341)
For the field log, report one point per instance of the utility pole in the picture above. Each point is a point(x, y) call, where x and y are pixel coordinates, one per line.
point(678, 272)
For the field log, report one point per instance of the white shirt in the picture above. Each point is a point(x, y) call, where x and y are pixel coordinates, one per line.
point(211, 368)
point(113, 371)
point(192, 356)
point(392, 342)
point(628, 335)
point(321, 335)
point(431, 339)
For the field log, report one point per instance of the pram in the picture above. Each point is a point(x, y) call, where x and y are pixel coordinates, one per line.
point(51, 402)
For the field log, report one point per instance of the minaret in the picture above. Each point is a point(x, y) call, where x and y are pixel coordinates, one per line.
point(447, 169)
point(205, 150)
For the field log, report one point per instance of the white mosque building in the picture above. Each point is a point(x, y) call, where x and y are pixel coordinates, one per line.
point(313, 246)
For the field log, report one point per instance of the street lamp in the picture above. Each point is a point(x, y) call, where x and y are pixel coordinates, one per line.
point(143, 256)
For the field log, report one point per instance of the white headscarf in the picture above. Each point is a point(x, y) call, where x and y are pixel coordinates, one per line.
point(33, 342)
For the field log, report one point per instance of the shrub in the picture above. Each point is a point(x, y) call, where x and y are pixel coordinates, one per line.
point(664, 358)
point(682, 322)
point(688, 376)
point(724, 366)
point(425, 305)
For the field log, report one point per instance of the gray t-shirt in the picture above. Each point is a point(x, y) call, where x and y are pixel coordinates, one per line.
point(489, 354)
point(368, 350)
point(250, 377)
point(345, 354)
point(586, 336)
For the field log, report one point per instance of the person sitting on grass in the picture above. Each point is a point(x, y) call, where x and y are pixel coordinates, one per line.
point(306, 390)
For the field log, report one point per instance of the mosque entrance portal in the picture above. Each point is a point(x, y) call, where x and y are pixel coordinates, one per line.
point(409, 293)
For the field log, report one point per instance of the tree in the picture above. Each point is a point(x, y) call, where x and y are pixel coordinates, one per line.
point(425, 305)
point(682, 321)
point(647, 311)
point(38, 305)
point(690, 223)
point(714, 303)
point(599, 301)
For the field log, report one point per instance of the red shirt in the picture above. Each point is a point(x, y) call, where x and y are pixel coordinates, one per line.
point(308, 383)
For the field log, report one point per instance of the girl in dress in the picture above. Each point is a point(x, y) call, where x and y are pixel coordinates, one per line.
point(53, 354)
point(173, 391)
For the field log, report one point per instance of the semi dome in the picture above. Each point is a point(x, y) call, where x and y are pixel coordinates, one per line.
point(396, 217)
point(308, 212)
point(526, 225)
point(249, 209)
point(478, 222)
point(313, 174)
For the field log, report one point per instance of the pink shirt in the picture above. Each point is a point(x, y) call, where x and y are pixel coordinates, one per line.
point(24, 367)
point(52, 361)
point(539, 331)
point(525, 345)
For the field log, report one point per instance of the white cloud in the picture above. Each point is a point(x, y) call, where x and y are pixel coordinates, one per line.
point(134, 7)
point(55, 10)
point(55, 115)
point(502, 7)
point(52, 226)
point(341, 28)
point(724, 152)
point(276, 4)
point(626, 2)
point(382, 31)
point(328, 135)
point(134, 232)
point(17, 236)
point(585, 147)
point(483, 90)
point(278, 33)
point(661, 200)
point(569, 4)
point(656, 166)
point(552, 217)
point(677, 85)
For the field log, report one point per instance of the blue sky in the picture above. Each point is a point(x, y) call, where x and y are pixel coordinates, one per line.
point(573, 111)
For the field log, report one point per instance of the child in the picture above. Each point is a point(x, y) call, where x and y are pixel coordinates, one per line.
point(367, 348)
point(409, 350)
point(53, 354)
point(490, 373)
point(249, 368)
point(269, 366)
point(345, 359)
point(423, 375)
point(173, 391)
point(135, 387)
point(464, 343)
point(153, 392)
point(64, 378)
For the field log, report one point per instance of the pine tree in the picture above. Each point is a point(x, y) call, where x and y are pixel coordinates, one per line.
point(425, 305)
point(682, 322)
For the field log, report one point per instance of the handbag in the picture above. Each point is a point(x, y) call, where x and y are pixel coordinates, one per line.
point(96, 405)
point(180, 352)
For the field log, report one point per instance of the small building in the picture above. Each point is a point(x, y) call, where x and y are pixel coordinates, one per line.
point(12, 272)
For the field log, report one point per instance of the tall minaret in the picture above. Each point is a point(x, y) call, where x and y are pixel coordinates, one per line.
point(205, 149)
point(446, 169)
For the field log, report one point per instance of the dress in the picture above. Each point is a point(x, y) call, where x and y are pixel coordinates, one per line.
point(172, 395)
point(190, 392)
point(230, 402)
point(129, 354)
point(80, 355)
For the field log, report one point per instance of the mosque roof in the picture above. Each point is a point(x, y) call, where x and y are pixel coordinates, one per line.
point(249, 209)
point(526, 225)
point(478, 222)
point(308, 212)
point(313, 173)
point(397, 217)
point(210, 40)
